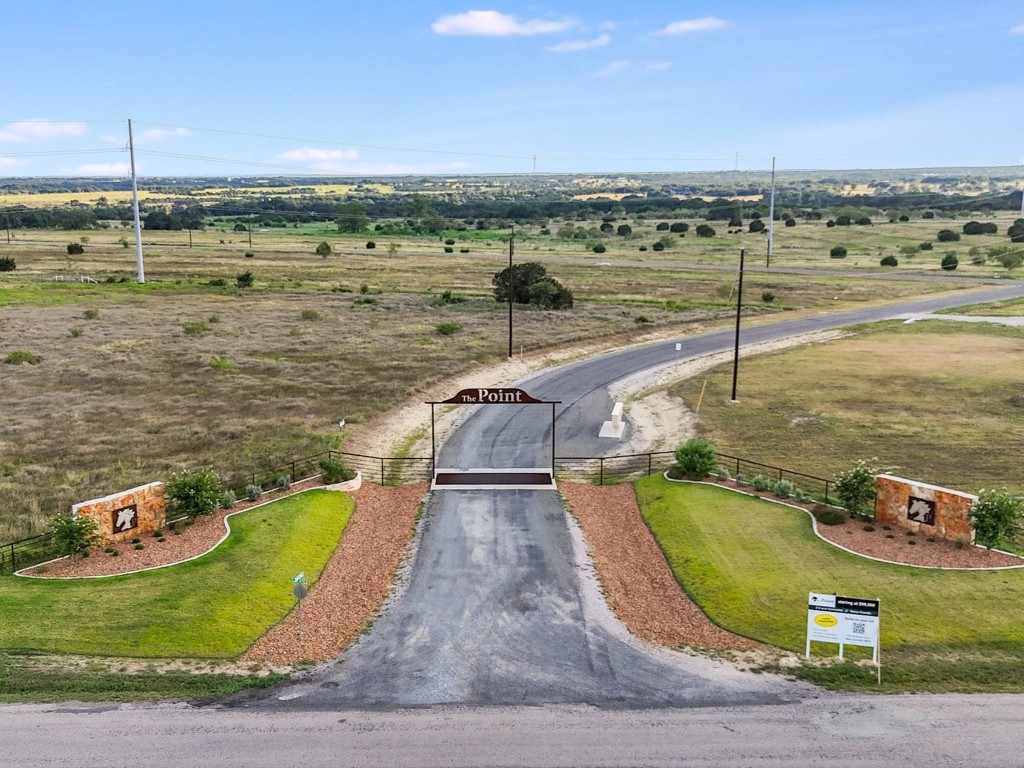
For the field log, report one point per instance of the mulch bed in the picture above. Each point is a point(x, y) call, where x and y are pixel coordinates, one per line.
point(194, 540)
point(639, 584)
point(354, 583)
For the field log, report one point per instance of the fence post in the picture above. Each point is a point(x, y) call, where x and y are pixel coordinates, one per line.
point(737, 465)
point(650, 458)
point(826, 492)
point(601, 481)
point(293, 472)
point(382, 471)
point(14, 560)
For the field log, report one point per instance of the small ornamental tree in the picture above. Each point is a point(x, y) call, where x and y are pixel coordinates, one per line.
point(74, 536)
point(855, 488)
point(696, 458)
point(193, 493)
point(994, 516)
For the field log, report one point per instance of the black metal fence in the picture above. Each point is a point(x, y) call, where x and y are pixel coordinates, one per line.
point(608, 470)
point(26, 552)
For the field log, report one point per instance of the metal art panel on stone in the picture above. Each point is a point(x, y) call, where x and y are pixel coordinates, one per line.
point(124, 515)
point(930, 509)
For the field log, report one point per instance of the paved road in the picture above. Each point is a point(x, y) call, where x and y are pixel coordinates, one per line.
point(495, 611)
point(866, 731)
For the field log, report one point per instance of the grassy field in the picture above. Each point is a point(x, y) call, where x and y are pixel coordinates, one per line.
point(749, 564)
point(212, 607)
point(1014, 308)
point(937, 401)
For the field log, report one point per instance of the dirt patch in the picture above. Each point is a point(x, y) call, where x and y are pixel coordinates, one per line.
point(192, 541)
point(638, 583)
point(354, 583)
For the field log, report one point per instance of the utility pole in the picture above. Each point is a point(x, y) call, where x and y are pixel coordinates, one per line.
point(771, 218)
point(135, 208)
point(511, 287)
point(736, 347)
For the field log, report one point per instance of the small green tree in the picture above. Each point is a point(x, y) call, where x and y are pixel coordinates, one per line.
point(193, 493)
point(837, 252)
point(74, 536)
point(994, 516)
point(696, 458)
point(324, 249)
point(856, 488)
point(950, 261)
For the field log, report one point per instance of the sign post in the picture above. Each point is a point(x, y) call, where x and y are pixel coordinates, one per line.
point(300, 590)
point(844, 621)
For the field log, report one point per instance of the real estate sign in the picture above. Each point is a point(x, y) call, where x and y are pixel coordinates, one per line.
point(842, 620)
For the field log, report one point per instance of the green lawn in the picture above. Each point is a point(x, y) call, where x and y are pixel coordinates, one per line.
point(749, 565)
point(1010, 308)
point(212, 607)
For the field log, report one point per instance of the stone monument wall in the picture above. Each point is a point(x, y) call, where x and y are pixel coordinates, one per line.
point(123, 516)
point(927, 509)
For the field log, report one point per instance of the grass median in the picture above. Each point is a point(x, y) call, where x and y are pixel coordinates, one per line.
point(749, 565)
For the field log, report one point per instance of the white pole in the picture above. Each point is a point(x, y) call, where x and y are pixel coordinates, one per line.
point(771, 217)
point(135, 208)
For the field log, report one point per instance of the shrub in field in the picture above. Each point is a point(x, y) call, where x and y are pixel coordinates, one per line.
point(978, 228)
point(245, 279)
point(760, 483)
point(448, 297)
point(659, 246)
point(696, 458)
point(678, 227)
point(449, 241)
point(253, 492)
point(790, 222)
point(228, 500)
point(463, 250)
point(370, 245)
point(925, 246)
point(310, 314)
point(889, 261)
point(1016, 231)
point(837, 252)
point(198, 328)
point(767, 297)
point(599, 248)
point(76, 331)
point(756, 225)
point(950, 262)
point(947, 236)
point(864, 221)
point(91, 314)
point(449, 249)
point(368, 301)
point(705, 230)
point(217, 282)
point(324, 249)
point(643, 320)
point(995, 515)
point(644, 247)
point(21, 357)
point(7, 264)
point(624, 230)
point(1011, 260)
point(855, 488)
point(333, 471)
point(75, 249)
point(74, 536)
point(447, 328)
point(223, 364)
point(250, 255)
point(193, 493)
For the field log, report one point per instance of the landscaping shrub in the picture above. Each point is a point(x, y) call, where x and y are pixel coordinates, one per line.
point(253, 492)
point(801, 496)
point(995, 515)
point(333, 471)
point(74, 536)
point(696, 458)
point(722, 473)
point(228, 500)
point(828, 515)
point(760, 483)
point(855, 488)
point(193, 493)
point(283, 483)
point(783, 489)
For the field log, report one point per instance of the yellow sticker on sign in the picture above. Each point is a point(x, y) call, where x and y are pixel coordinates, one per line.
point(825, 620)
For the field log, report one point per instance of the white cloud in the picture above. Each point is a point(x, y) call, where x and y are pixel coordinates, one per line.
point(1018, 30)
point(495, 24)
point(318, 156)
point(103, 169)
point(568, 46)
point(639, 67)
point(159, 134)
point(8, 162)
point(687, 26)
point(39, 130)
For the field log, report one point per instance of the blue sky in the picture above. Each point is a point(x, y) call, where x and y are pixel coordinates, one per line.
point(481, 87)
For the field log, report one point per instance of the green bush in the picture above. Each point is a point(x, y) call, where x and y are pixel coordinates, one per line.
point(828, 515)
point(193, 493)
point(75, 249)
point(446, 298)
point(642, 320)
point(783, 489)
point(324, 249)
point(447, 328)
point(253, 492)
point(947, 236)
point(995, 515)
point(599, 248)
point(950, 262)
point(926, 246)
point(223, 364)
point(245, 279)
point(760, 483)
point(198, 328)
point(7, 264)
point(333, 471)
point(767, 297)
point(696, 458)
point(74, 536)
point(283, 483)
point(855, 488)
point(889, 261)
point(22, 356)
point(310, 314)
point(370, 245)
point(837, 252)
point(228, 500)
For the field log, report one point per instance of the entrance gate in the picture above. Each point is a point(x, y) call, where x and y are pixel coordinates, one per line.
point(523, 478)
